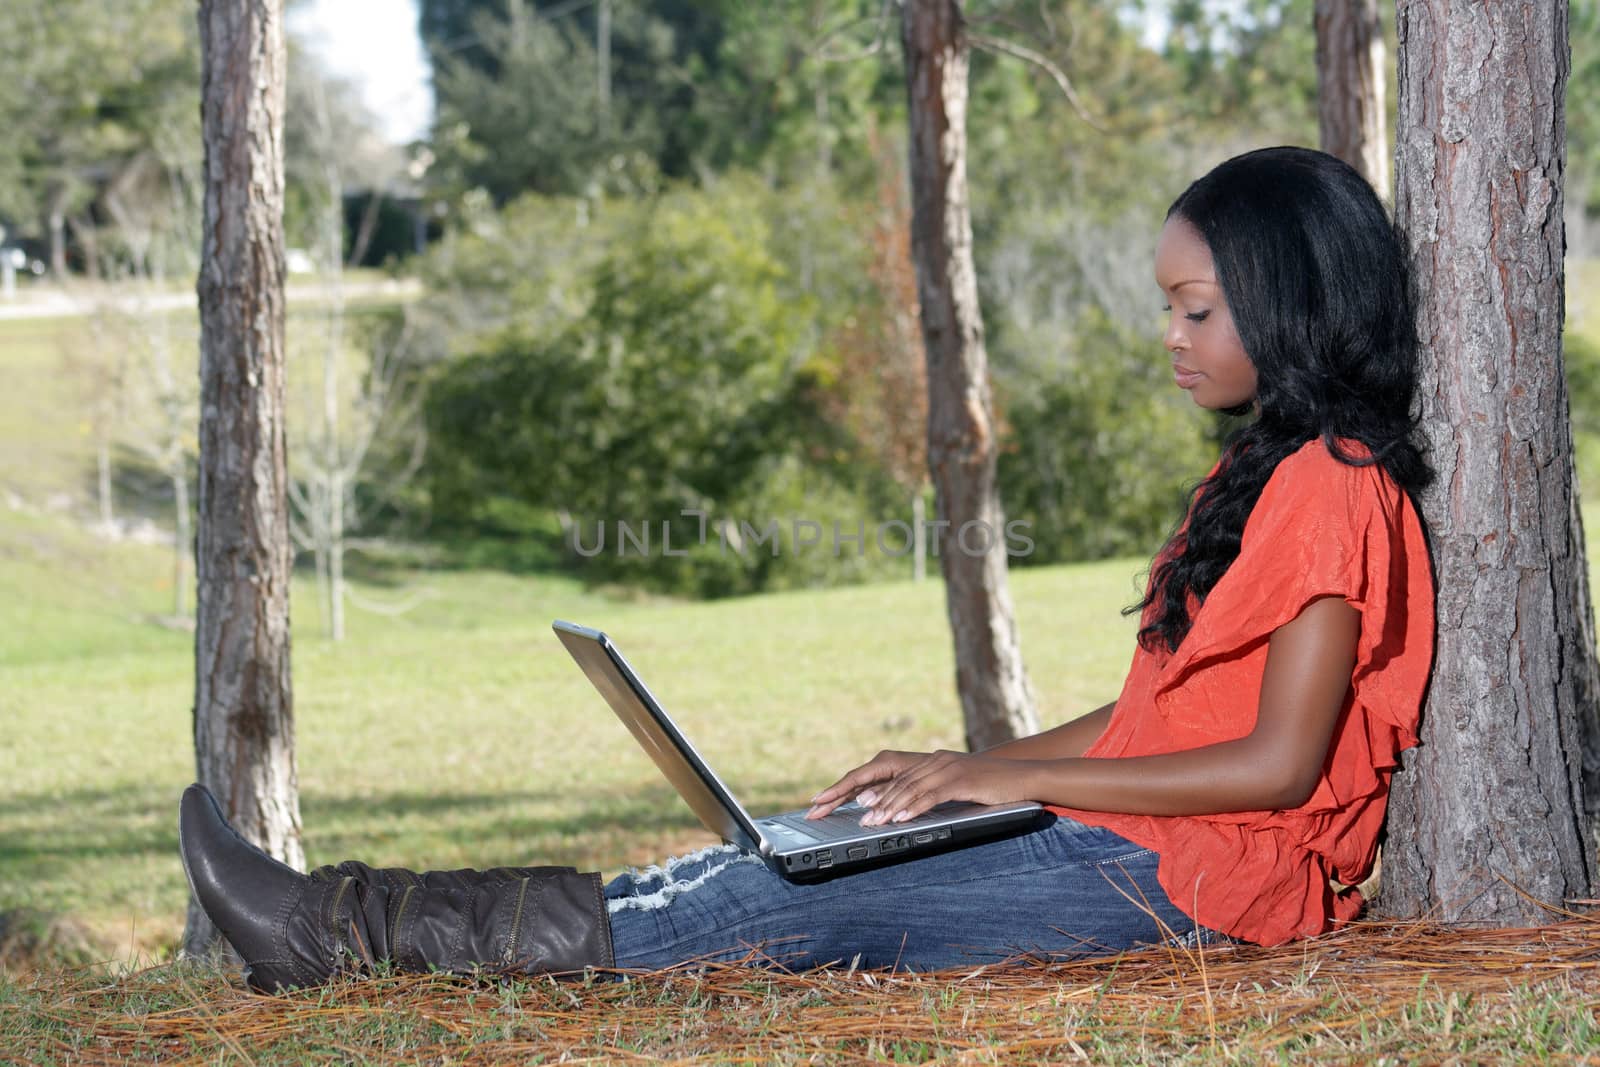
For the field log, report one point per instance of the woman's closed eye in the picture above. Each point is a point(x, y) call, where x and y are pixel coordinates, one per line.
point(1193, 316)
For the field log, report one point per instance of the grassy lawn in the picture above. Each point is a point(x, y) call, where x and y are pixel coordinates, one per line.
point(461, 733)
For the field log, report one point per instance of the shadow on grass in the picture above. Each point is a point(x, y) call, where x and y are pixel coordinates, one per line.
point(75, 835)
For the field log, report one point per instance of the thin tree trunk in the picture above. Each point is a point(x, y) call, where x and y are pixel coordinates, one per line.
point(996, 699)
point(1350, 80)
point(102, 462)
point(56, 224)
point(185, 540)
point(331, 460)
point(336, 554)
point(1490, 803)
point(243, 713)
point(602, 53)
point(365, 229)
point(919, 543)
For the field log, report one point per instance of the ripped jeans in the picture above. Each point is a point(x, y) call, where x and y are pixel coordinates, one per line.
point(1063, 889)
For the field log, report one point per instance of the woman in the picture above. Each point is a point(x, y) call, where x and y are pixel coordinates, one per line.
point(1286, 637)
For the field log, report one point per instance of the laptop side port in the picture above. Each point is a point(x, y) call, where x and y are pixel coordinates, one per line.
point(858, 852)
point(825, 859)
point(924, 838)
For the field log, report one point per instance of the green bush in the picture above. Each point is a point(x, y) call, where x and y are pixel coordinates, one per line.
point(685, 384)
point(1100, 449)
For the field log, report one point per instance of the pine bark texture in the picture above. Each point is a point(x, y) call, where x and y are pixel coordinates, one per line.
point(996, 699)
point(1350, 87)
point(243, 711)
point(1491, 803)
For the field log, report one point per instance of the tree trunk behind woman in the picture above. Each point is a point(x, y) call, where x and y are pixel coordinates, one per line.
point(1490, 806)
point(996, 700)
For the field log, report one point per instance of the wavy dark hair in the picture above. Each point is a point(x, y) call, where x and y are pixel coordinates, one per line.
point(1316, 279)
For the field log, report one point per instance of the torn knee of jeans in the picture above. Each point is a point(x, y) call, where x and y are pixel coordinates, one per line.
point(672, 885)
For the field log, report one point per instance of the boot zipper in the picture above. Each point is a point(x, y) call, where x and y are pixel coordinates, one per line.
point(516, 922)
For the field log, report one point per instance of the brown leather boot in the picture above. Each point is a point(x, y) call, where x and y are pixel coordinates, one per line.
point(299, 930)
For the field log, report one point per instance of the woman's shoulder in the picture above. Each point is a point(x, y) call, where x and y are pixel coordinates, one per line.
point(1320, 466)
point(1321, 484)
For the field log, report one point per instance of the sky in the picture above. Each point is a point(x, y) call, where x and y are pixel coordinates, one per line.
point(374, 44)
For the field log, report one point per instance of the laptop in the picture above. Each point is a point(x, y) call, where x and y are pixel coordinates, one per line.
point(795, 847)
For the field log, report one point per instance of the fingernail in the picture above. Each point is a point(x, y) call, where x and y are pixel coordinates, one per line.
point(866, 798)
point(901, 816)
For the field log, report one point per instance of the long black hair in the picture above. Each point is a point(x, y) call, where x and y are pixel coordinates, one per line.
point(1316, 280)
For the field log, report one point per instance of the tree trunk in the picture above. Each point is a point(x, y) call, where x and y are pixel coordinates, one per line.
point(243, 713)
point(184, 537)
point(1350, 108)
point(56, 224)
point(919, 544)
point(332, 520)
point(1491, 801)
point(996, 699)
point(102, 464)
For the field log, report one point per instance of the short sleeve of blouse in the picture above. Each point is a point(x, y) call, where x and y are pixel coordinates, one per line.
point(1320, 528)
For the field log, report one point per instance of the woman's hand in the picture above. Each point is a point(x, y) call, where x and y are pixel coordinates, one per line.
point(897, 786)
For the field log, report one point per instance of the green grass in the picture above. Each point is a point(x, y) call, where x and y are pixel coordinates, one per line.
point(461, 733)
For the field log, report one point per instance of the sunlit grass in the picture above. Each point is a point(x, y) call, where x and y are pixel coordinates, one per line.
point(460, 732)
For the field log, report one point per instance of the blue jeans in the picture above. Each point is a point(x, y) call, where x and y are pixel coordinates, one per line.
point(1063, 889)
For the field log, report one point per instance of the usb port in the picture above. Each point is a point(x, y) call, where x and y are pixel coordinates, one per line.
point(923, 838)
point(858, 852)
point(825, 858)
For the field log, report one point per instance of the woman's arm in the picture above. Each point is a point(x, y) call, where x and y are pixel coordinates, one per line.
point(1058, 742)
point(1275, 766)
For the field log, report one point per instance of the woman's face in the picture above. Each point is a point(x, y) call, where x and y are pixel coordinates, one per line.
point(1207, 357)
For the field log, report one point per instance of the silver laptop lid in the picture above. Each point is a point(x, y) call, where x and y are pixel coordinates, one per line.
point(696, 782)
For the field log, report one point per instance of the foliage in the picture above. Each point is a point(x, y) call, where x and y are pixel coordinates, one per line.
point(1581, 352)
point(695, 89)
point(685, 383)
point(1100, 451)
point(526, 105)
point(1583, 106)
point(1256, 58)
point(91, 89)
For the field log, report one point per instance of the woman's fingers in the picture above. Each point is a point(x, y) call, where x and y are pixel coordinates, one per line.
point(879, 768)
point(940, 777)
point(915, 789)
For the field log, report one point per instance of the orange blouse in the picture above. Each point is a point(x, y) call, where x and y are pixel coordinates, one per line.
point(1320, 528)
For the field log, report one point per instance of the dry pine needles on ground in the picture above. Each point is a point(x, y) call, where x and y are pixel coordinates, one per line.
point(1404, 993)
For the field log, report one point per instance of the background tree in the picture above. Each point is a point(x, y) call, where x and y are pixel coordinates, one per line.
point(1487, 819)
point(89, 89)
point(996, 699)
point(1581, 192)
point(332, 143)
point(243, 710)
point(882, 393)
point(1350, 87)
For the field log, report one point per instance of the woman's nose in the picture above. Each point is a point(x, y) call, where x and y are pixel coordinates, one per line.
point(1174, 338)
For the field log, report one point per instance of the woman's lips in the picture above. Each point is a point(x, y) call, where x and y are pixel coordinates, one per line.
point(1186, 378)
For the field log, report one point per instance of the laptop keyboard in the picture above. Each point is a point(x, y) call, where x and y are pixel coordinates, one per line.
point(847, 819)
